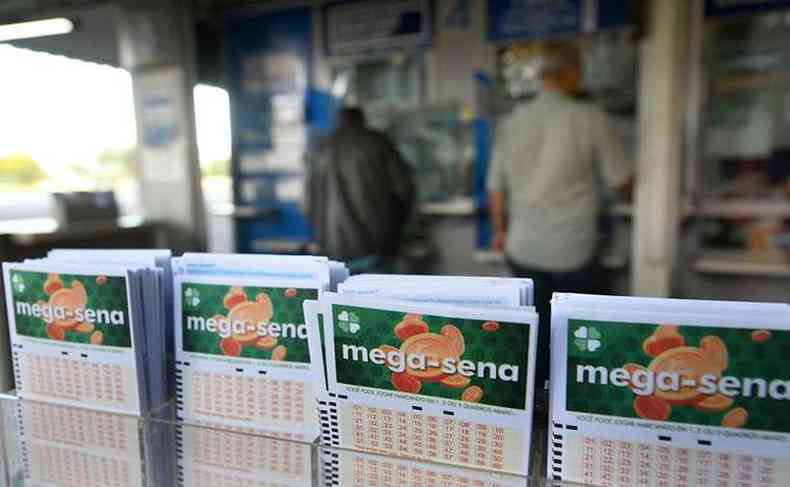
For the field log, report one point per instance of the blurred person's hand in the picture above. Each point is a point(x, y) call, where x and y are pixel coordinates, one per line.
point(499, 242)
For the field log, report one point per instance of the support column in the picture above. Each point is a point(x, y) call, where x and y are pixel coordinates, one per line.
point(156, 43)
point(657, 207)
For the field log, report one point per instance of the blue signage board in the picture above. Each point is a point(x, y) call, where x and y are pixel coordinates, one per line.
point(270, 61)
point(269, 55)
point(356, 26)
point(526, 19)
point(718, 8)
point(534, 19)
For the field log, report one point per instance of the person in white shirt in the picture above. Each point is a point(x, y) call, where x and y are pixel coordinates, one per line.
point(551, 158)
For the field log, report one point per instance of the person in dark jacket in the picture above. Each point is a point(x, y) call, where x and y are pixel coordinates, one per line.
point(360, 193)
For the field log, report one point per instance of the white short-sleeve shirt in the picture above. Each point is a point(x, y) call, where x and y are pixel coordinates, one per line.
point(550, 158)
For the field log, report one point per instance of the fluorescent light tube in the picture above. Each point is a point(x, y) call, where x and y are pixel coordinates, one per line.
point(35, 28)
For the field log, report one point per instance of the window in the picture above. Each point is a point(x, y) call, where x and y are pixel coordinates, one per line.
point(65, 125)
point(212, 120)
point(69, 125)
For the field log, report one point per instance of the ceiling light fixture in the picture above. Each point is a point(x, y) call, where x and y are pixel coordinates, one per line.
point(35, 28)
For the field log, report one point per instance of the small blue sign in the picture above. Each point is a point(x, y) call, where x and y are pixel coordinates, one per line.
point(526, 19)
point(159, 135)
point(613, 14)
point(535, 19)
point(356, 26)
point(718, 8)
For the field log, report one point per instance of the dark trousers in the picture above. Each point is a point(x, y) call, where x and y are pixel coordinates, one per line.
point(589, 279)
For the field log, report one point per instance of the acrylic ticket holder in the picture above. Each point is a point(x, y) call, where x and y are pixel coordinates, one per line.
point(45, 444)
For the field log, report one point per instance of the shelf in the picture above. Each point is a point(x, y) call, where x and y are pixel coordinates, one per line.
point(729, 84)
point(466, 207)
point(740, 262)
point(626, 210)
point(740, 208)
point(455, 207)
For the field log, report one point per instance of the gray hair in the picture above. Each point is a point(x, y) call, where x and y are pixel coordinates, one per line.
point(558, 57)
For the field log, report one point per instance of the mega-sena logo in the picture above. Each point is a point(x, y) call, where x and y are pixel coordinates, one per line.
point(348, 322)
point(683, 371)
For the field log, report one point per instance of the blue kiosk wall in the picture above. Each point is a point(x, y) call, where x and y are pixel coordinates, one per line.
point(270, 61)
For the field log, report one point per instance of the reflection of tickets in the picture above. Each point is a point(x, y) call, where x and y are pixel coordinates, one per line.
point(449, 383)
point(78, 447)
point(216, 458)
point(345, 468)
point(679, 375)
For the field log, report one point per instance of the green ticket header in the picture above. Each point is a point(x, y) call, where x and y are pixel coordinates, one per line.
point(709, 376)
point(71, 308)
point(249, 322)
point(469, 360)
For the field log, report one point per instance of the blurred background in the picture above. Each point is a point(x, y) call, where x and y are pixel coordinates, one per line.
point(184, 124)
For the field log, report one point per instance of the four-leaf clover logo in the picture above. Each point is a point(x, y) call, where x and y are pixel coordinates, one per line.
point(18, 283)
point(348, 322)
point(192, 297)
point(587, 339)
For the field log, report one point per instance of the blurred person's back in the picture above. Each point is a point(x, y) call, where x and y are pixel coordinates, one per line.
point(551, 151)
point(553, 159)
point(361, 192)
point(551, 156)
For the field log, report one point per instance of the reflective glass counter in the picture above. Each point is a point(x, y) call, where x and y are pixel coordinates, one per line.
point(51, 445)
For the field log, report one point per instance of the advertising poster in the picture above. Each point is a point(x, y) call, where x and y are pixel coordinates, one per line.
point(162, 130)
